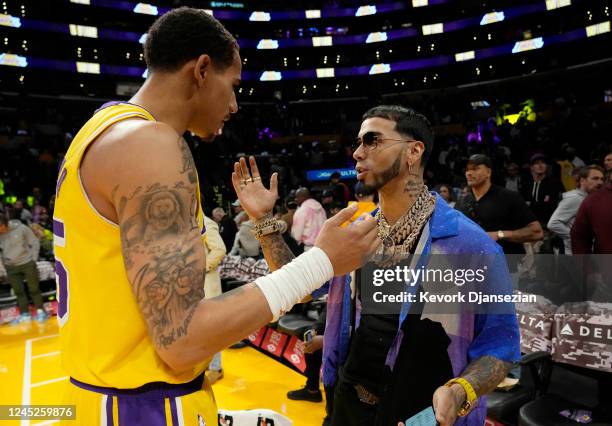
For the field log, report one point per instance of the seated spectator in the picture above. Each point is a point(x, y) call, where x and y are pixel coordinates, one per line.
point(227, 226)
point(446, 192)
point(308, 219)
point(245, 243)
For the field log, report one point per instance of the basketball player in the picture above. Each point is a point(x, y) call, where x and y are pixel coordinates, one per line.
point(136, 331)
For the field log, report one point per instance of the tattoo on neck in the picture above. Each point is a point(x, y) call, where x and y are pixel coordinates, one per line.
point(414, 186)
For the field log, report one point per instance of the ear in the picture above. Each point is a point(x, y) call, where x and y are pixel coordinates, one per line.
point(414, 153)
point(201, 69)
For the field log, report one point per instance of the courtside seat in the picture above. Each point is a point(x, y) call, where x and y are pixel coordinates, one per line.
point(295, 324)
point(567, 390)
point(7, 299)
point(503, 405)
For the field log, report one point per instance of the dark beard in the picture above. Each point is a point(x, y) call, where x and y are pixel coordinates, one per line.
point(383, 178)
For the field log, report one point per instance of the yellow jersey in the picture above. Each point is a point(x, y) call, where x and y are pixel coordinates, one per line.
point(104, 338)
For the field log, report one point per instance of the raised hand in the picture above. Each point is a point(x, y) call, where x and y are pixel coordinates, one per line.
point(256, 200)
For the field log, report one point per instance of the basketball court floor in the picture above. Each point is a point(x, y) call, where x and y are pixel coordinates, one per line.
point(31, 374)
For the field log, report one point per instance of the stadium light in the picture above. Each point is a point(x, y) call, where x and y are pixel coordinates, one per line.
point(493, 17)
point(556, 4)
point(465, 56)
point(525, 45)
point(83, 31)
point(146, 9)
point(270, 76)
point(13, 60)
point(433, 29)
point(260, 17)
point(419, 3)
point(313, 14)
point(325, 72)
point(366, 10)
point(322, 41)
point(376, 37)
point(379, 69)
point(267, 43)
point(9, 21)
point(88, 67)
point(87, 2)
point(597, 29)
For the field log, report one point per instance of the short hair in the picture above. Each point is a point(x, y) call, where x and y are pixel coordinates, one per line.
point(184, 34)
point(584, 171)
point(408, 123)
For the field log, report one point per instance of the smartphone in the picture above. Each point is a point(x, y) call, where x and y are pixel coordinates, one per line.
point(426, 417)
point(309, 335)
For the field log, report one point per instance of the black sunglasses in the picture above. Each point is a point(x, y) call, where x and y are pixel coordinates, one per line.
point(371, 140)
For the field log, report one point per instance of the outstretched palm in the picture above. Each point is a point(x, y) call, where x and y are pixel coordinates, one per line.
point(254, 197)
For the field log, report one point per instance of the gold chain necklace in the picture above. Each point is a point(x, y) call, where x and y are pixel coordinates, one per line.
point(398, 240)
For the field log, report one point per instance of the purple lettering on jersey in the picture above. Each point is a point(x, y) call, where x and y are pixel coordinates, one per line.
point(60, 181)
point(62, 284)
point(58, 228)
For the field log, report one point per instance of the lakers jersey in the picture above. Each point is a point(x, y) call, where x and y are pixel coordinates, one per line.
point(104, 339)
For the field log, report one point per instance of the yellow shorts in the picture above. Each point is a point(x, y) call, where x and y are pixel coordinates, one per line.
point(154, 404)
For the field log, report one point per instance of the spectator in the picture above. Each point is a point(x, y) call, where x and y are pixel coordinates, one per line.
point(340, 190)
point(327, 201)
point(291, 208)
point(592, 228)
point(21, 213)
point(501, 212)
point(561, 221)
point(227, 226)
point(608, 162)
point(313, 353)
point(513, 178)
point(540, 192)
point(245, 244)
point(365, 201)
point(215, 252)
point(446, 192)
point(239, 213)
point(308, 219)
point(19, 250)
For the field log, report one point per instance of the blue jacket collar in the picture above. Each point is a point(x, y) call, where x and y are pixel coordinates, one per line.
point(444, 220)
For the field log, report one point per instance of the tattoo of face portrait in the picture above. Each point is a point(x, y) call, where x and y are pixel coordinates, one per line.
point(167, 288)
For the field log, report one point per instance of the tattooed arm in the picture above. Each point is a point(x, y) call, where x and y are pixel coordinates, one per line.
point(484, 374)
point(276, 251)
point(142, 177)
point(150, 180)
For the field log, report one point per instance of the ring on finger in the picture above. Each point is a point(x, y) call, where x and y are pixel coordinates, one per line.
point(249, 180)
point(256, 178)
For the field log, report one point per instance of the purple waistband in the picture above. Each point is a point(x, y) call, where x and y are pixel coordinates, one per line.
point(150, 390)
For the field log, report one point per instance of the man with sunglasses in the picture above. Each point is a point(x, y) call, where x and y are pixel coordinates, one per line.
point(388, 367)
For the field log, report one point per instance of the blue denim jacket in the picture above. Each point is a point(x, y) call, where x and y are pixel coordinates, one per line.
point(472, 335)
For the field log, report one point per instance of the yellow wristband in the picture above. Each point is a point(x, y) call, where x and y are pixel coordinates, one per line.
point(470, 394)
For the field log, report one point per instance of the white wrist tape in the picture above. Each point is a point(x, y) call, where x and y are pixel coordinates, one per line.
point(296, 280)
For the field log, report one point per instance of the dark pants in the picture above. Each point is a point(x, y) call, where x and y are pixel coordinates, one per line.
point(313, 369)
point(29, 273)
point(348, 410)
